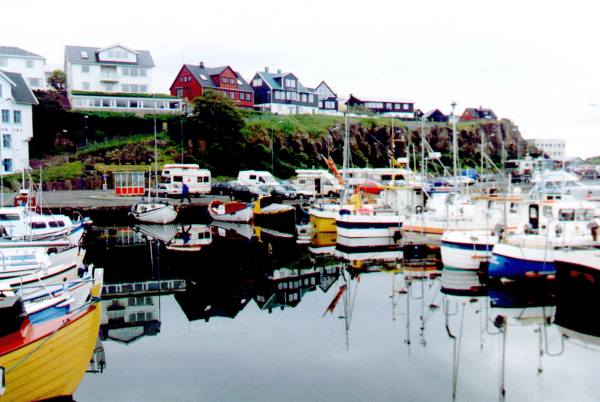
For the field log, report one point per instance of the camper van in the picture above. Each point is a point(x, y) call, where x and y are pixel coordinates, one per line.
point(256, 177)
point(174, 175)
point(320, 181)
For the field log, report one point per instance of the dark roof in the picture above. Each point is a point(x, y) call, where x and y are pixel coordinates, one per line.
point(21, 92)
point(73, 55)
point(328, 87)
point(434, 112)
point(269, 79)
point(480, 112)
point(17, 51)
point(208, 72)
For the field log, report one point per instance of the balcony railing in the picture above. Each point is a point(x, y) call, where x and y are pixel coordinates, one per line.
point(109, 77)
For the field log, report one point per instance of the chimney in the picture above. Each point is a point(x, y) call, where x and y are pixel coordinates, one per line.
point(278, 71)
point(266, 69)
point(201, 64)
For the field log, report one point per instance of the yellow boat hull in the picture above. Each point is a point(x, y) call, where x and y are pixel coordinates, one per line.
point(52, 366)
point(322, 225)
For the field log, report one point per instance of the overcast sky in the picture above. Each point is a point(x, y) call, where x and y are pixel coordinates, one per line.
point(534, 62)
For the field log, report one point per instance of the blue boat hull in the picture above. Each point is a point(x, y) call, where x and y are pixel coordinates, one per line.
point(502, 266)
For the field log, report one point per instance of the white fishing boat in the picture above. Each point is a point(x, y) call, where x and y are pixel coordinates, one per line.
point(559, 225)
point(25, 224)
point(233, 211)
point(467, 249)
point(23, 266)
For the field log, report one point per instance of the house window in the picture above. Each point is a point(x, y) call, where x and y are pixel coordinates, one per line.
point(17, 116)
point(257, 82)
point(232, 95)
point(133, 104)
point(125, 87)
point(224, 80)
point(133, 72)
point(311, 98)
point(8, 165)
point(33, 82)
point(3, 61)
point(247, 97)
point(288, 95)
point(5, 116)
point(7, 141)
point(84, 54)
point(105, 102)
point(29, 63)
point(125, 71)
point(85, 69)
point(224, 93)
point(239, 82)
point(241, 96)
point(121, 103)
point(179, 92)
point(143, 88)
point(85, 86)
point(304, 98)
point(329, 105)
point(231, 81)
point(203, 77)
point(406, 106)
point(143, 72)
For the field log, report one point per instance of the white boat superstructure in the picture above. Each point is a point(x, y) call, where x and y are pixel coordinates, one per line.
point(25, 224)
point(29, 265)
point(560, 182)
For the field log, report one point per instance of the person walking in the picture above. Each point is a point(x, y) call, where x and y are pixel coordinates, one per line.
point(185, 193)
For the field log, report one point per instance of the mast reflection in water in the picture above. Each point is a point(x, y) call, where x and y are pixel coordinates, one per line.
point(261, 315)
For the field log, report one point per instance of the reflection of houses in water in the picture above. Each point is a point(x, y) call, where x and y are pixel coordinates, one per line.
point(329, 275)
point(120, 236)
point(286, 287)
point(132, 310)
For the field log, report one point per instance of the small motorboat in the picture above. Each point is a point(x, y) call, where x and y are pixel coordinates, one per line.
point(273, 215)
point(153, 212)
point(45, 360)
point(233, 211)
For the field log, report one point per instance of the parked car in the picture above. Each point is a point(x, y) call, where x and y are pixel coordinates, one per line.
point(246, 193)
point(283, 192)
point(221, 188)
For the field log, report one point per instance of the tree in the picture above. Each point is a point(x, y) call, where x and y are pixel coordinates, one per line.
point(57, 80)
point(217, 121)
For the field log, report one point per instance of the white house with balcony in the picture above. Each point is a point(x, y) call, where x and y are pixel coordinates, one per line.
point(16, 123)
point(114, 78)
point(31, 66)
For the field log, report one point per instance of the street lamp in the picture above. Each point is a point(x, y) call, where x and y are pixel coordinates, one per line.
point(85, 128)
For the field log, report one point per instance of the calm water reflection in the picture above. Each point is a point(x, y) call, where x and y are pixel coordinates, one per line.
point(265, 319)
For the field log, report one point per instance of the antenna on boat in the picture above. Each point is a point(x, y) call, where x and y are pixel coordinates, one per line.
point(454, 147)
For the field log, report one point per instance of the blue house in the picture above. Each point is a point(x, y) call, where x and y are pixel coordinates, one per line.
point(282, 93)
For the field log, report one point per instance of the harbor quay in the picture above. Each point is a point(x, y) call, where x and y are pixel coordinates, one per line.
point(107, 206)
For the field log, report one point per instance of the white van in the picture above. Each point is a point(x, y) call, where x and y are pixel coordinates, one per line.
point(174, 175)
point(318, 180)
point(256, 177)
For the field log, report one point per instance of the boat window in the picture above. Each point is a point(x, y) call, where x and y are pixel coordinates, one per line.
point(206, 179)
point(547, 211)
point(386, 177)
point(566, 215)
point(53, 224)
point(301, 181)
point(514, 208)
point(9, 217)
point(165, 179)
point(61, 224)
point(177, 179)
point(261, 179)
point(252, 177)
point(38, 225)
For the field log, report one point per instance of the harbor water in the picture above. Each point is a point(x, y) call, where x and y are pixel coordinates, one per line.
point(244, 314)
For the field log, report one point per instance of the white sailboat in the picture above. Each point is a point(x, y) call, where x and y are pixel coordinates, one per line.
point(154, 211)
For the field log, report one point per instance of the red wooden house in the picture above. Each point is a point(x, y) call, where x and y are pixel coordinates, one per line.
point(192, 81)
point(480, 113)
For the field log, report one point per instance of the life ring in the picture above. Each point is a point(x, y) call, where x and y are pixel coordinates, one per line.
point(419, 209)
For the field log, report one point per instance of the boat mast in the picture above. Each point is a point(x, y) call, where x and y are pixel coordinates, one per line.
point(155, 152)
point(346, 159)
point(454, 147)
